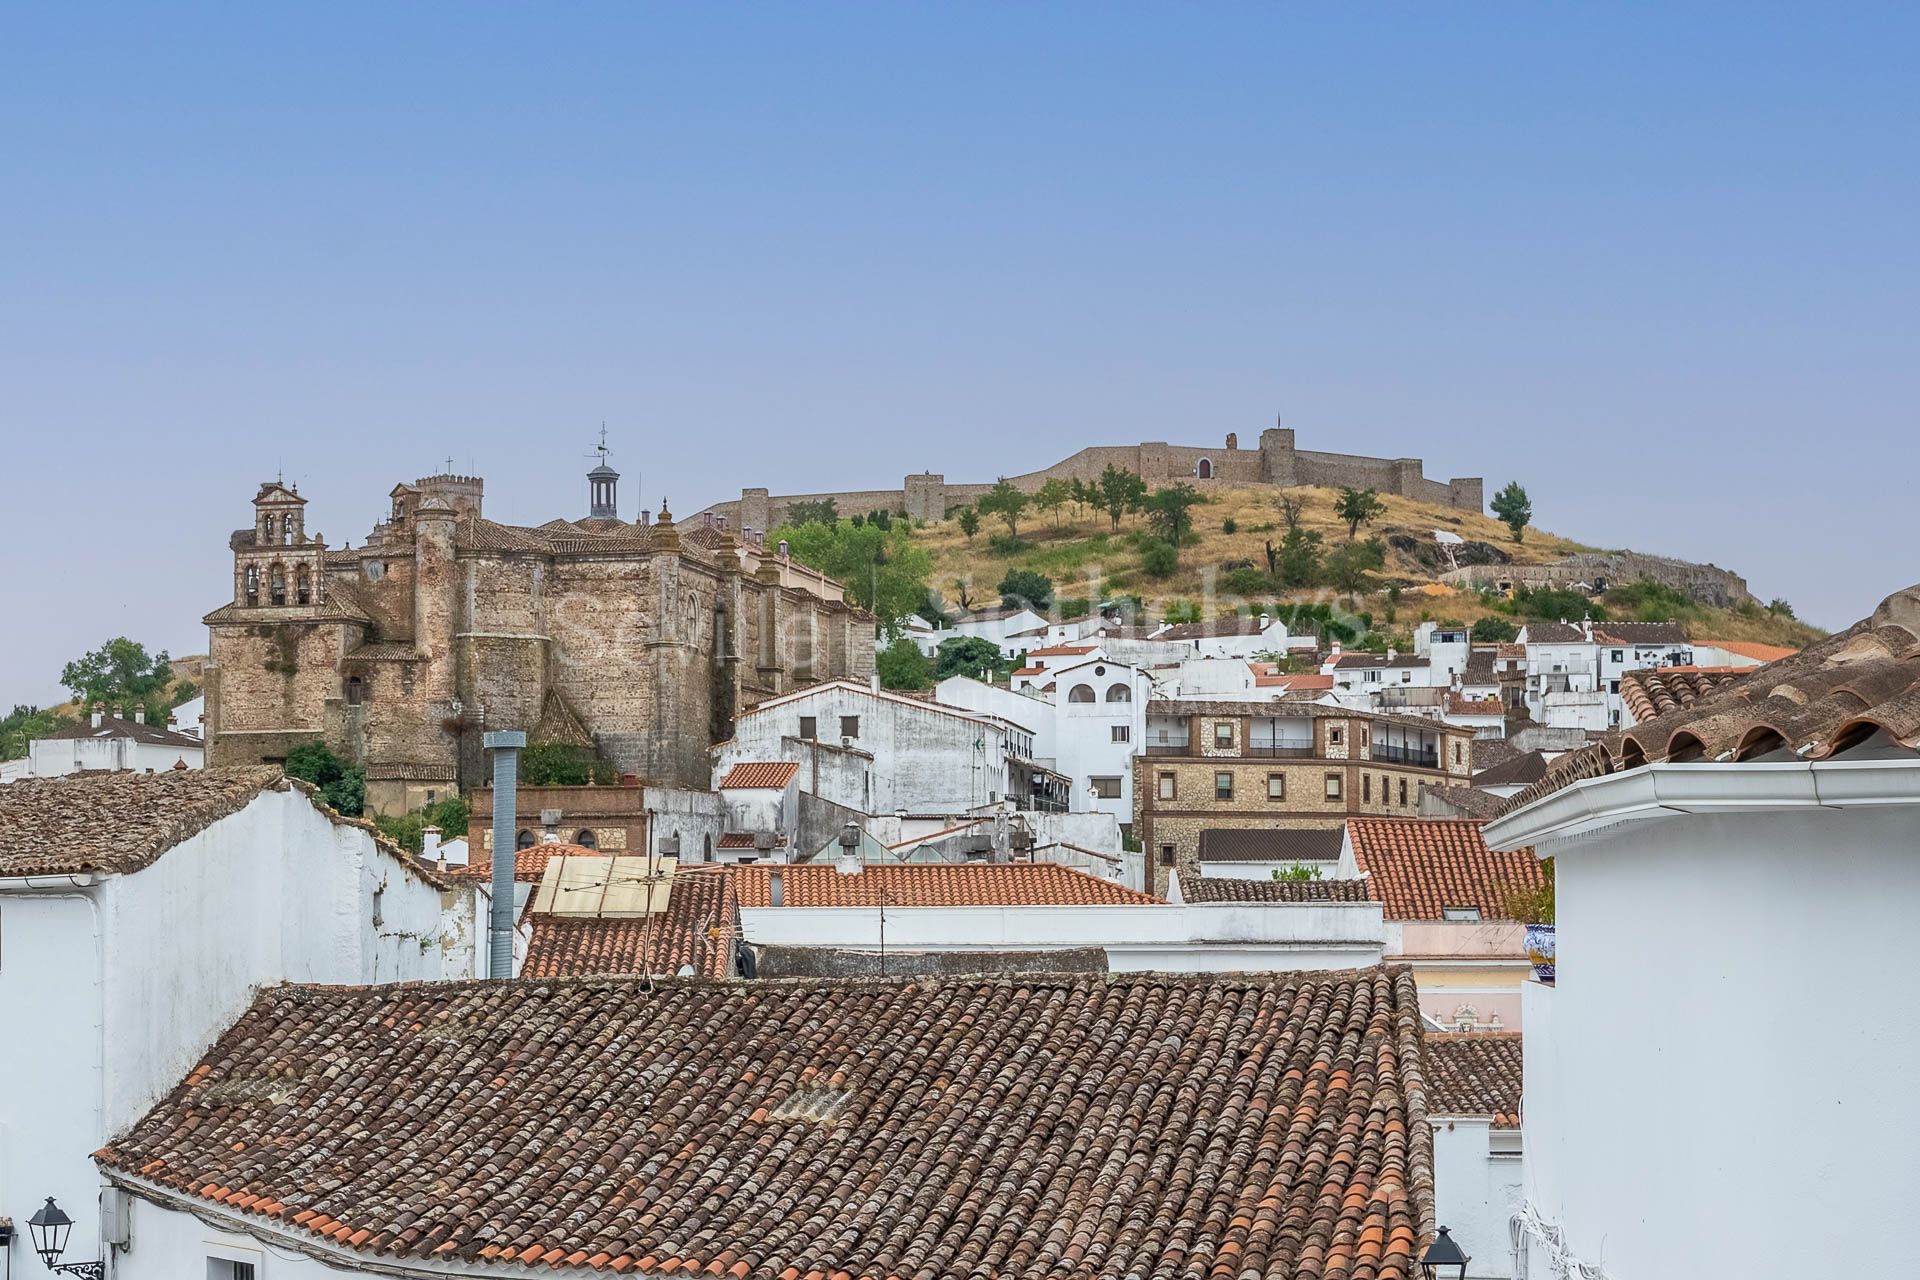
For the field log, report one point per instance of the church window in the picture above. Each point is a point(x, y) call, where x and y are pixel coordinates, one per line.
point(266, 528)
point(303, 585)
point(584, 838)
point(356, 691)
point(524, 840)
point(277, 585)
point(252, 577)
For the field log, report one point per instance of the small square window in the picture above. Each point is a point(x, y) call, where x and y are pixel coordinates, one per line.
point(1333, 736)
point(1223, 786)
point(1167, 789)
point(1333, 786)
point(1223, 734)
point(849, 726)
point(1107, 788)
point(1619, 656)
point(809, 727)
point(1122, 732)
point(1276, 786)
point(1166, 855)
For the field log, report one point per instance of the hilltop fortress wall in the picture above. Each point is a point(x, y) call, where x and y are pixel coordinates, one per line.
point(1277, 461)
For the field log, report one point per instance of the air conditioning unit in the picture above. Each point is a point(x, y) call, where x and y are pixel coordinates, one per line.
point(669, 846)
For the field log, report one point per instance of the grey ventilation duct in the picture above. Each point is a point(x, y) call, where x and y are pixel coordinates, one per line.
point(505, 745)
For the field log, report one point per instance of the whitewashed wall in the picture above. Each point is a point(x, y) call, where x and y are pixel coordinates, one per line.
point(1721, 1082)
point(1476, 1191)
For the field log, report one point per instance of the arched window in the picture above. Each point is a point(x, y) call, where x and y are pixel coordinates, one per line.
point(584, 838)
point(1081, 693)
point(277, 585)
point(302, 585)
point(524, 840)
point(356, 691)
point(1204, 469)
point(1120, 693)
point(266, 528)
point(252, 578)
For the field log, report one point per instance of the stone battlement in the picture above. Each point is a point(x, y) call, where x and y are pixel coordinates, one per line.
point(1276, 461)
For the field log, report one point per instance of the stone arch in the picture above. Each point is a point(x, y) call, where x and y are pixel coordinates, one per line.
point(585, 838)
point(277, 583)
point(355, 691)
point(250, 584)
point(303, 585)
point(524, 840)
point(1203, 469)
point(1081, 693)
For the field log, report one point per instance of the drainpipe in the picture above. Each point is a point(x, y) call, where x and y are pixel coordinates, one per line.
point(505, 745)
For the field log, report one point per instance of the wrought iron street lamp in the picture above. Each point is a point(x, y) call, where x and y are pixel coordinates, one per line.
point(50, 1227)
point(1443, 1259)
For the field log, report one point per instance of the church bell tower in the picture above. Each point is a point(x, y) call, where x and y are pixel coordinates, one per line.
point(603, 484)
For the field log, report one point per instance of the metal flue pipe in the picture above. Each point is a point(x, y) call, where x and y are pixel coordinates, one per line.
point(505, 745)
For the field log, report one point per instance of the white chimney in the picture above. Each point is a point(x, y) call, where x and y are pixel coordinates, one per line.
point(430, 847)
point(98, 714)
point(139, 715)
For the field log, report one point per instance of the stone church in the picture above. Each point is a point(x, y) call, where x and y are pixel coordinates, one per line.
point(639, 640)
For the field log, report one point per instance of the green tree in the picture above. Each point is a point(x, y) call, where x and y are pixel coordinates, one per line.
point(1780, 608)
point(1082, 495)
point(901, 665)
point(121, 673)
point(408, 830)
point(1118, 492)
point(22, 725)
point(1351, 565)
point(821, 511)
point(1550, 604)
point(969, 656)
point(342, 786)
point(1007, 502)
point(562, 764)
point(1159, 558)
point(1023, 588)
point(1358, 507)
point(1170, 511)
point(884, 570)
point(1181, 611)
point(1052, 497)
point(969, 522)
point(1495, 631)
point(1514, 508)
point(1297, 562)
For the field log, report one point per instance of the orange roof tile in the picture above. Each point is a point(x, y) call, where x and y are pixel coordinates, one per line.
point(1062, 651)
point(772, 775)
point(1014, 884)
point(1750, 649)
point(1418, 867)
point(529, 864)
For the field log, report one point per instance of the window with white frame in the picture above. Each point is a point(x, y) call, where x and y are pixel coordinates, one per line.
point(1122, 733)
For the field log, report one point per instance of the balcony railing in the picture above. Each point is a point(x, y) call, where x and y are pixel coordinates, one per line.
point(1281, 750)
point(1167, 748)
point(1426, 759)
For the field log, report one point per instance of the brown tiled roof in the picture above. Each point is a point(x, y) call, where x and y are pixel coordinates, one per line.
point(1105, 1126)
point(1527, 767)
point(115, 822)
point(771, 775)
point(697, 929)
point(1216, 628)
point(1622, 633)
point(735, 840)
point(1475, 1073)
point(1360, 661)
point(1459, 704)
point(529, 864)
point(157, 735)
point(995, 884)
point(1226, 889)
point(1485, 753)
point(1467, 802)
point(1062, 651)
point(1663, 689)
point(1418, 867)
point(1271, 844)
point(1751, 649)
point(1823, 701)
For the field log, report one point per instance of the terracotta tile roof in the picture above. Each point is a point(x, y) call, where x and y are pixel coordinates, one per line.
point(1217, 628)
point(1528, 766)
point(1619, 633)
point(997, 884)
point(1751, 649)
point(1458, 704)
point(1485, 753)
point(1359, 661)
point(1227, 889)
point(529, 864)
point(697, 929)
point(115, 822)
point(1475, 1073)
point(1510, 649)
point(157, 735)
point(1271, 844)
point(1858, 686)
point(735, 840)
point(1106, 1126)
point(1029, 671)
point(1466, 802)
point(1418, 867)
point(1663, 689)
point(1062, 651)
point(773, 775)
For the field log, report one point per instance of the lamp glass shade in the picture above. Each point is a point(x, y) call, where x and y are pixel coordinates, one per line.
point(50, 1227)
point(1443, 1258)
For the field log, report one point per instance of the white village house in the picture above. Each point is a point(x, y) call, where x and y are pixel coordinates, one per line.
point(109, 743)
point(1735, 880)
point(140, 914)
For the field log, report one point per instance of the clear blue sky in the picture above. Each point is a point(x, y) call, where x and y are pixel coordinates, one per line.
point(1659, 266)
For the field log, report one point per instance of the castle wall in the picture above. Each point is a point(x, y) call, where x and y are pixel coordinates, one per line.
point(268, 686)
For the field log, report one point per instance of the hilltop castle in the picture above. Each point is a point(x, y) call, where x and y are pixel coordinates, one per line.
point(1276, 461)
point(639, 640)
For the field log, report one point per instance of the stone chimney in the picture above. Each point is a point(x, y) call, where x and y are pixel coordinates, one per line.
point(98, 714)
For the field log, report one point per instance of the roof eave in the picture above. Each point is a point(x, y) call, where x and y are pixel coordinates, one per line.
point(1659, 791)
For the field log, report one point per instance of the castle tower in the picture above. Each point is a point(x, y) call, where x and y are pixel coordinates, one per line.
point(603, 484)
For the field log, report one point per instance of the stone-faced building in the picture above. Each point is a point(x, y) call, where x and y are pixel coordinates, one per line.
point(640, 640)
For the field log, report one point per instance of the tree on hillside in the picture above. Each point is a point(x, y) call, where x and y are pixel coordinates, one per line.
point(1081, 495)
point(22, 725)
point(1514, 508)
point(1054, 495)
point(901, 665)
point(1007, 502)
point(969, 522)
point(1358, 507)
point(1170, 511)
point(1025, 589)
point(1118, 492)
point(121, 673)
point(884, 571)
point(1351, 565)
point(823, 511)
point(1292, 507)
point(1494, 631)
point(1296, 564)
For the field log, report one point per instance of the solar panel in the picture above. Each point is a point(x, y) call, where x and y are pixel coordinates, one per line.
point(603, 887)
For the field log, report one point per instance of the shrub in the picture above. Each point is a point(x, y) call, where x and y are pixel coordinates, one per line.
point(1495, 631)
point(342, 787)
point(1229, 525)
point(555, 764)
point(1159, 559)
point(1247, 582)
